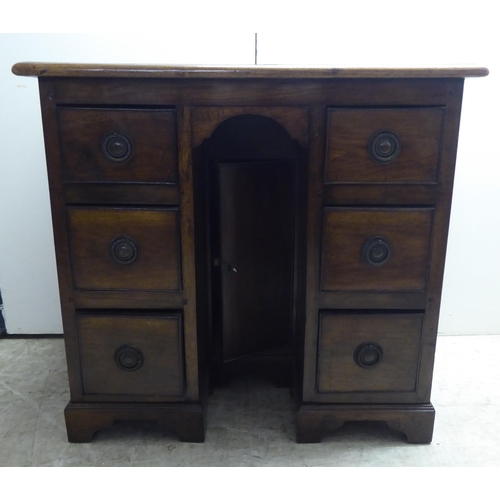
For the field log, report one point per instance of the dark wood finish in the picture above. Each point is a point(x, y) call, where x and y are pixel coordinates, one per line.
point(351, 130)
point(380, 194)
point(208, 118)
point(110, 299)
point(169, 71)
point(268, 198)
point(346, 230)
point(155, 232)
point(61, 237)
point(372, 300)
point(451, 126)
point(84, 420)
point(159, 339)
point(149, 197)
point(398, 335)
point(152, 140)
point(256, 261)
point(121, 194)
point(416, 421)
point(191, 340)
point(285, 92)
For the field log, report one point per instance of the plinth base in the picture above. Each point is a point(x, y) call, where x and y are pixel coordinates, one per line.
point(83, 420)
point(416, 421)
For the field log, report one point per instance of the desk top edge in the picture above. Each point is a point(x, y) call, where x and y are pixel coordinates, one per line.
point(41, 69)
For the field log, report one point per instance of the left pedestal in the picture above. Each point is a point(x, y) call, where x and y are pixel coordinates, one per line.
point(122, 211)
point(84, 420)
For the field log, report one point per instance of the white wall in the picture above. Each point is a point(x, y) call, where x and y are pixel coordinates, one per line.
point(471, 292)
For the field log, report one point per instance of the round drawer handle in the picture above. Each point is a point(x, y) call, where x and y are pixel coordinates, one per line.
point(117, 147)
point(368, 355)
point(129, 358)
point(384, 147)
point(124, 250)
point(376, 251)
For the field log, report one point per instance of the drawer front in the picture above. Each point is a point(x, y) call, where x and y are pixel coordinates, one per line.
point(375, 249)
point(368, 352)
point(383, 145)
point(131, 355)
point(118, 145)
point(125, 248)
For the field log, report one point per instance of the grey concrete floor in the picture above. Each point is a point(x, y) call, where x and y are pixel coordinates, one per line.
point(250, 423)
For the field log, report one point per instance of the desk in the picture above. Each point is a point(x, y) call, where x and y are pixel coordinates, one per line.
point(205, 216)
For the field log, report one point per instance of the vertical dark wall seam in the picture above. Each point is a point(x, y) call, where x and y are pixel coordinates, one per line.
point(255, 48)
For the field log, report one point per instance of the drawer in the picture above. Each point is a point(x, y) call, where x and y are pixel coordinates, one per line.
point(368, 352)
point(375, 249)
point(383, 145)
point(118, 145)
point(125, 248)
point(131, 355)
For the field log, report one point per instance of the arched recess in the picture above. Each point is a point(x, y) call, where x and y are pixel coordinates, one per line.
point(207, 118)
point(250, 193)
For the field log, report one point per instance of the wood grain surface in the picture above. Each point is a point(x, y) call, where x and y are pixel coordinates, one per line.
point(41, 69)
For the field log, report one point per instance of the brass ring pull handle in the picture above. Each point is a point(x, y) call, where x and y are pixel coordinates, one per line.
point(117, 147)
point(129, 358)
point(384, 147)
point(368, 355)
point(124, 250)
point(376, 251)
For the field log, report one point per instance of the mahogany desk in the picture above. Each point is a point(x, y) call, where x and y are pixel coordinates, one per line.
point(205, 216)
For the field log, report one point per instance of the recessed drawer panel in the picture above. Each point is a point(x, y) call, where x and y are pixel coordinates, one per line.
point(131, 355)
point(368, 352)
point(125, 248)
point(118, 145)
point(375, 249)
point(383, 145)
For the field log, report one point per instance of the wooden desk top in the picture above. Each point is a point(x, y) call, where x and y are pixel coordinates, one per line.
point(40, 69)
